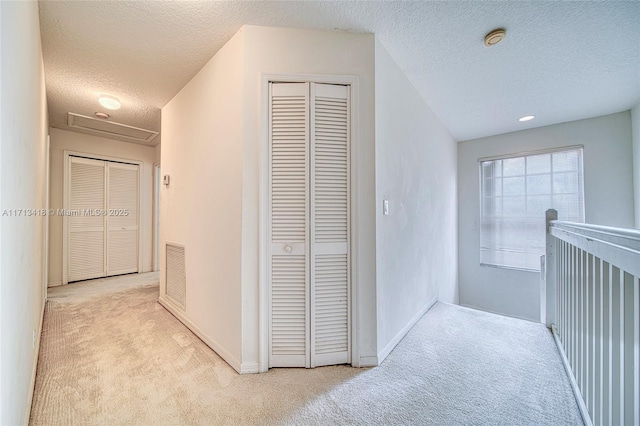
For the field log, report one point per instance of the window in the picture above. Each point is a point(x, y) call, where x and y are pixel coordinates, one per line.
point(515, 193)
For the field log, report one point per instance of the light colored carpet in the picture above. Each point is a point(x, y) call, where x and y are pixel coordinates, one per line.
point(111, 355)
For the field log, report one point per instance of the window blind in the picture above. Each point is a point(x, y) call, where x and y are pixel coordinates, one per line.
point(515, 193)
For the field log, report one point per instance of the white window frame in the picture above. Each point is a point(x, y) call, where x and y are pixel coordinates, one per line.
point(524, 155)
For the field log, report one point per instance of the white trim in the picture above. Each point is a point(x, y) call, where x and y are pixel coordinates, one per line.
point(368, 361)
point(249, 368)
point(155, 218)
point(46, 219)
point(574, 385)
point(65, 205)
point(34, 368)
point(263, 226)
point(529, 153)
point(398, 337)
point(215, 346)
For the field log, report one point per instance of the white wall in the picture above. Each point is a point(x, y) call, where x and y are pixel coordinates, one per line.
point(608, 201)
point(416, 244)
point(635, 129)
point(212, 137)
point(202, 207)
point(291, 51)
point(23, 186)
point(62, 140)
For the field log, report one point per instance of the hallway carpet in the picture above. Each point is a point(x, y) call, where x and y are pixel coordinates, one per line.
point(111, 355)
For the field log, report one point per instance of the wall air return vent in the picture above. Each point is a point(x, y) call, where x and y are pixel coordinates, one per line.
point(110, 129)
point(176, 276)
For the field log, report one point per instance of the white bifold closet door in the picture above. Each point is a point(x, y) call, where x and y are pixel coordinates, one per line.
point(309, 225)
point(103, 218)
point(86, 230)
point(122, 218)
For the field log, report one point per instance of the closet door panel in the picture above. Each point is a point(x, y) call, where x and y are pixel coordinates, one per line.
point(288, 266)
point(330, 313)
point(86, 223)
point(122, 218)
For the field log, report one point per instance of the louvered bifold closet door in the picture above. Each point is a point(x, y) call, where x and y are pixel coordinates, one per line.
point(86, 223)
point(122, 218)
point(330, 318)
point(288, 268)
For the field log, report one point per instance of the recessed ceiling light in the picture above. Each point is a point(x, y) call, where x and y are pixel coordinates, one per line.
point(527, 118)
point(109, 102)
point(102, 115)
point(494, 37)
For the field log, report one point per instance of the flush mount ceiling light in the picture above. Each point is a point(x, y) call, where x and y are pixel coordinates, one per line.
point(494, 37)
point(109, 102)
point(102, 115)
point(527, 118)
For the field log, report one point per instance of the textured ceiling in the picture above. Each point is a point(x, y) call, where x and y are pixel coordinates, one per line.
point(561, 61)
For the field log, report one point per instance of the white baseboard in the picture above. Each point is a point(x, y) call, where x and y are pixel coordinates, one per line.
point(36, 355)
point(217, 348)
point(398, 337)
point(250, 368)
point(368, 361)
point(54, 284)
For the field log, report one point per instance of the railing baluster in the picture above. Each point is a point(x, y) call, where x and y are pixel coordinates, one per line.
point(597, 408)
point(630, 356)
point(591, 346)
point(617, 308)
point(585, 328)
point(582, 354)
point(595, 279)
point(570, 306)
point(580, 321)
point(562, 301)
point(606, 341)
point(576, 312)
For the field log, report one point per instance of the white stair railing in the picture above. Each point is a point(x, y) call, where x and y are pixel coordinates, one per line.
point(591, 301)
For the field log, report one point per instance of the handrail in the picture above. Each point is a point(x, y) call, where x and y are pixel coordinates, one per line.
point(605, 242)
point(590, 298)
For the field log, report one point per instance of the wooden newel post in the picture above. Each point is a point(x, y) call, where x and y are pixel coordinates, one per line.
point(548, 274)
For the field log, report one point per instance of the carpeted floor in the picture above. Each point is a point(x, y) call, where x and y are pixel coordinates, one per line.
point(111, 355)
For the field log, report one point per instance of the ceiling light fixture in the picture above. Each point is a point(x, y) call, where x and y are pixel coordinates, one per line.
point(527, 118)
point(494, 37)
point(102, 115)
point(109, 102)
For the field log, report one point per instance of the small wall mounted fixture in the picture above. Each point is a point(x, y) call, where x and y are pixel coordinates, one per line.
point(166, 179)
point(494, 37)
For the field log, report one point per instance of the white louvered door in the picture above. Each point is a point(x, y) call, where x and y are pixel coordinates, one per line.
point(309, 225)
point(122, 218)
point(86, 236)
point(102, 226)
point(289, 266)
point(330, 337)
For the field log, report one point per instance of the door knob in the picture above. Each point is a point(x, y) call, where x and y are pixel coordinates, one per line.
point(288, 248)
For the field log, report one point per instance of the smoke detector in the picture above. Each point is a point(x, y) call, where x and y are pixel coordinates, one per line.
point(494, 37)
